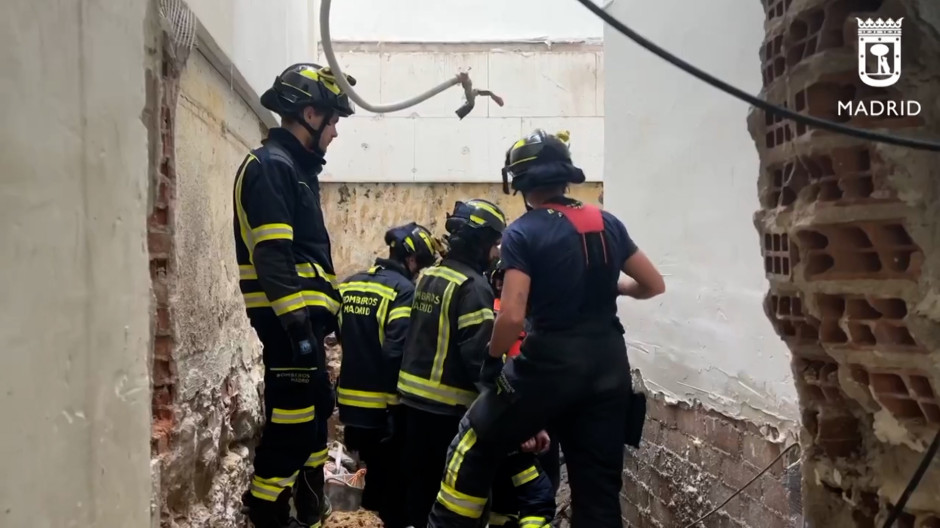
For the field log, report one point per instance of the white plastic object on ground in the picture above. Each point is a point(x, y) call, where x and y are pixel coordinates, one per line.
point(462, 78)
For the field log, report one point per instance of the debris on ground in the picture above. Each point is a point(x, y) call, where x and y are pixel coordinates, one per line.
point(356, 519)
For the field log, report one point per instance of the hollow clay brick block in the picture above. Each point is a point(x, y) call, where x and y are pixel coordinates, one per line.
point(861, 250)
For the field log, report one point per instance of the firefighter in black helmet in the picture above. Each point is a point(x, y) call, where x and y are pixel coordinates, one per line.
point(451, 324)
point(287, 279)
point(373, 322)
point(563, 261)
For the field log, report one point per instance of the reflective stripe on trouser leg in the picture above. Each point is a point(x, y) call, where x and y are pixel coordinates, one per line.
point(316, 459)
point(469, 471)
point(270, 488)
point(290, 429)
point(533, 522)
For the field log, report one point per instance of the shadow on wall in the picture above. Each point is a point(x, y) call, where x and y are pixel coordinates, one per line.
point(359, 214)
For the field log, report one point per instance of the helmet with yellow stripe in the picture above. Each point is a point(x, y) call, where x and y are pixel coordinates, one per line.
point(474, 228)
point(413, 240)
point(540, 160)
point(307, 84)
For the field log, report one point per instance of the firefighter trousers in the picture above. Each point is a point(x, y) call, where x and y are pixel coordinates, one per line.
point(427, 436)
point(522, 494)
point(298, 400)
point(579, 381)
point(381, 450)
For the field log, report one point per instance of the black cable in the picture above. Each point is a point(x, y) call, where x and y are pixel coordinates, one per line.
point(755, 101)
point(915, 480)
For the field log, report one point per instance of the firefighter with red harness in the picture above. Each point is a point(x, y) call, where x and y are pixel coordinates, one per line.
point(563, 262)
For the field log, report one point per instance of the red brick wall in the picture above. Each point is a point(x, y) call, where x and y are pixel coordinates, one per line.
point(692, 459)
point(160, 244)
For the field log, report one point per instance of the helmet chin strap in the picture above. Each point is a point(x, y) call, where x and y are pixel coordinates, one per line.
point(315, 134)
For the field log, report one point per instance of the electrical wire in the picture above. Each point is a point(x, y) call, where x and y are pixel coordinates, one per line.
point(744, 487)
point(915, 481)
point(755, 101)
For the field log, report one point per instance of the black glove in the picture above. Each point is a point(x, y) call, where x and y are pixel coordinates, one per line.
point(303, 343)
point(490, 370)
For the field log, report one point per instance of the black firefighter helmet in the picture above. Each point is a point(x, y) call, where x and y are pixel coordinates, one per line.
point(539, 160)
point(307, 84)
point(413, 240)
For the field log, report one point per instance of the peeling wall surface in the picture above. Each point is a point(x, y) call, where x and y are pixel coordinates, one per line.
point(357, 215)
point(679, 171)
point(462, 20)
point(74, 389)
point(217, 356)
point(553, 87)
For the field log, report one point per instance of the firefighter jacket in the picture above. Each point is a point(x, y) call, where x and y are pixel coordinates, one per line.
point(451, 324)
point(281, 242)
point(373, 320)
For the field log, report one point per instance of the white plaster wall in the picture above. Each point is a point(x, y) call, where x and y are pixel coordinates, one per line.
point(462, 20)
point(681, 171)
point(543, 87)
point(260, 37)
point(74, 315)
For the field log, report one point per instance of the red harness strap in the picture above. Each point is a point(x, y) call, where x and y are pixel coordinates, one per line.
point(589, 223)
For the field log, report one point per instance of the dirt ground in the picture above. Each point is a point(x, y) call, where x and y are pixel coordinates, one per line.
point(359, 519)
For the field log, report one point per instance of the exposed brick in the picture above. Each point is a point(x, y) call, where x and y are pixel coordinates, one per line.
point(632, 514)
point(674, 440)
point(736, 508)
point(722, 435)
point(736, 475)
point(164, 372)
point(159, 218)
point(662, 513)
point(775, 496)
point(163, 321)
point(159, 243)
point(163, 348)
point(760, 453)
point(662, 412)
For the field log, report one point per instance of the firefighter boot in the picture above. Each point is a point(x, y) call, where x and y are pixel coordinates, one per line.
point(310, 500)
point(267, 514)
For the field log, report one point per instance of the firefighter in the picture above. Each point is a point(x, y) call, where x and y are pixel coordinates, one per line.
point(563, 261)
point(451, 323)
point(374, 319)
point(550, 458)
point(288, 283)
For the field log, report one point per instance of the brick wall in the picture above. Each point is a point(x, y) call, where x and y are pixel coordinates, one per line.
point(693, 459)
point(849, 233)
point(160, 243)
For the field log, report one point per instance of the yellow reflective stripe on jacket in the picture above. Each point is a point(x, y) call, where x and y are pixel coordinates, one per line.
point(434, 391)
point(243, 226)
point(266, 232)
point(363, 399)
point(293, 416)
point(380, 316)
point(446, 273)
point(291, 302)
point(399, 313)
point(381, 290)
point(306, 270)
point(461, 503)
point(474, 318)
point(312, 271)
point(525, 477)
point(392, 399)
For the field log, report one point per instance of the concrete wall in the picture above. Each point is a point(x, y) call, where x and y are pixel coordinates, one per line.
point(73, 372)
point(554, 87)
point(679, 171)
point(358, 214)
point(462, 21)
point(215, 412)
